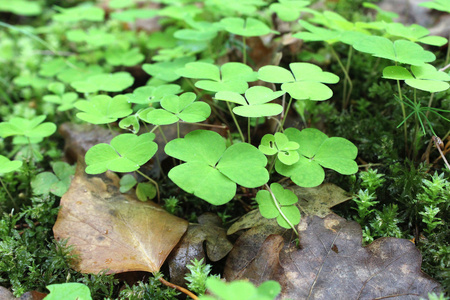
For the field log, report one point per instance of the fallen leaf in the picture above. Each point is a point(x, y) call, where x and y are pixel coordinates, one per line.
point(191, 247)
point(114, 231)
point(332, 264)
point(317, 201)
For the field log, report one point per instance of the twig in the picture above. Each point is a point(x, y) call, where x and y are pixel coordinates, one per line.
point(181, 289)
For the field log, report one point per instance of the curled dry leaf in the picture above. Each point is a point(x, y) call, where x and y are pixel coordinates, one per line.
point(191, 246)
point(332, 264)
point(114, 231)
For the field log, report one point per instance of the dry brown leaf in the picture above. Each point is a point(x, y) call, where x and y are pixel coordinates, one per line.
point(191, 246)
point(317, 201)
point(332, 264)
point(114, 231)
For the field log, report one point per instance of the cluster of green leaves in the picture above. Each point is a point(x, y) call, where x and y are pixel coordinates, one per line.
point(89, 79)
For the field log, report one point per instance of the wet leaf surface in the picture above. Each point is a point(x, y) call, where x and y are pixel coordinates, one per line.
point(208, 231)
point(114, 231)
point(331, 263)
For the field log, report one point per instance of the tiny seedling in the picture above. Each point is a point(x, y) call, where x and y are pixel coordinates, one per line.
point(280, 145)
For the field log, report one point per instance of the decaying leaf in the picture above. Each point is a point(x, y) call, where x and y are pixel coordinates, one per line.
point(317, 201)
point(191, 246)
point(114, 231)
point(332, 264)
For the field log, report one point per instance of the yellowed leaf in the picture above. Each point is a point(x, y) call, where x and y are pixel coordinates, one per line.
point(114, 231)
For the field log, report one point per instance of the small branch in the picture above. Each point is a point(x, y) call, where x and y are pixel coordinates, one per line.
point(437, 142)
point(179, 288)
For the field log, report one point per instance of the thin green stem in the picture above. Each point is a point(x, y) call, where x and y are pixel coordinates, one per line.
point(416, 128)
point(152, 181)
point(9, 195)
point(249, 134)
point(405, 123)
point(429, 104)
point(235, 122)
point(272, 163)
point(244, 51)
point(277, 205)
point(285, 115)
point(178, 130)
point(110, 129)
point(346, 95)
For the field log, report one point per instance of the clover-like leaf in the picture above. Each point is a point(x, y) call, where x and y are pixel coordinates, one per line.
point(121, 57)
point(127, 182)
point(28, 128)
point(234, 7)
point(56, 183)
point(103, 109)
point(330, 36)
point(415, 33)
point(316, 151)
point(167, 70)
point(254, 104)
point(241, 289)
point(66, 101)
point(22, 7)
point(68, 290)
point(279, 144)
point(125, 153)
point(442, 5)
point(131, 15)
point(286, 203)
point(80, 73)
point(211, 171)
point(246, 27)
point(145, 191)
point(305, 82)
point(201, 31)
point(150, 94)
point(425, 78)
point(177, 108)
point(232, 76)
point(115, 82)
point(78, 13)
point(94, 37)
point(288, 10)
point(7, 165)
point(402, 51)
point(131, 123)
